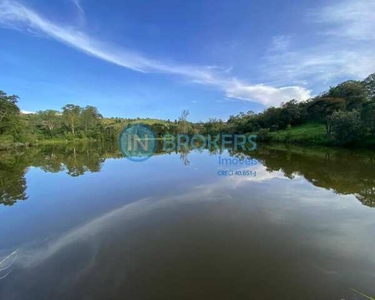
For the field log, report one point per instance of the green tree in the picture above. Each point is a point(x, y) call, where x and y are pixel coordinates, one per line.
point(90, 117)
point(321, 109)
point(109, 132)
point(50, 120)
point(346, 127)
point(9, 112)
point(292, 113)
point(263, 135)
point(353, 92)
point(271, 118)
point(182, 121)
point(243, 122)
point(71, 116)
point(368, 115)
point(214, 126)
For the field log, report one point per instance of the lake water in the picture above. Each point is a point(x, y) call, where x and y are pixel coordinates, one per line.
point(83, 222)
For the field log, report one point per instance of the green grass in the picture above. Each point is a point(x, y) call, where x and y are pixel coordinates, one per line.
point(124, 122)
point(63, 141)
point(305, 134)
point(312, 134)
point(7, 142)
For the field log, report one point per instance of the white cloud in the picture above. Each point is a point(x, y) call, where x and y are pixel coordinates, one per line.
point(353, 19)
point(77, 3)
point(18, 16)
point(280, 43)
point(26, 112)
point(267, 95)
point(81, 11)
point(322, 65)
point(345, 51)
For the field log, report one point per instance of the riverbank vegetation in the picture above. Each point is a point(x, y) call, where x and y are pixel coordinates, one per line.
point(342, 116)
point(73, 123)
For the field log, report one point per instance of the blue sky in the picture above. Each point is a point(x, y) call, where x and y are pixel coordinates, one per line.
point(156, 58)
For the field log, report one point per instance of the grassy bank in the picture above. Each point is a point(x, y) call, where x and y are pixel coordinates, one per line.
point(309, 134)
point(312, 134)
point(7, 142)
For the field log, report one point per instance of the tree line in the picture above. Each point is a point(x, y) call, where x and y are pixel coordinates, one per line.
point(72, 122)
point(347, 112)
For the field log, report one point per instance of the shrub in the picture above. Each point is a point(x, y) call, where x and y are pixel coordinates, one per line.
point(346, 127)
point(263, 135)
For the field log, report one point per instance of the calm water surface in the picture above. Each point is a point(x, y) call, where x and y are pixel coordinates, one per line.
point(83, 222)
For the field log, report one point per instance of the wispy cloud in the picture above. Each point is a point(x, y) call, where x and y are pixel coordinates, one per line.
point(280, 43)
point(77, 3)
point(344, 42)
point(352, 19)
point(81, 11)
point(20, 17)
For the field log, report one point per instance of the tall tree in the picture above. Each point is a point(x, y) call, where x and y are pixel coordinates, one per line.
point(292, 113)
point(50, 119)
point(90, 117)
point(321, 108)
point(71, 116)
point(183, 123)
point(353, 92)
point(9, 112)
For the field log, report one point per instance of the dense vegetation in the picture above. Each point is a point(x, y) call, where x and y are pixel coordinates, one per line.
point(71, 123)
point(344, 115)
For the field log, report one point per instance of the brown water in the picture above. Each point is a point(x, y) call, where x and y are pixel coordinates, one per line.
point(87, 223)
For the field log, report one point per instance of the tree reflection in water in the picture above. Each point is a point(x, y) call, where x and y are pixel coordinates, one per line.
point(346, 172)
point(343, 171)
